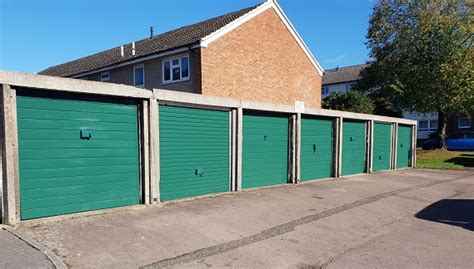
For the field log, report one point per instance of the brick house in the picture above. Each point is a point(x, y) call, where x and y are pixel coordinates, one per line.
point(253, 54)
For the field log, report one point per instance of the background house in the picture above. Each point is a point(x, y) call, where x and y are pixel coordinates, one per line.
point(341, 79)
point(460, 122)
point(253, 54)
point(344, 79)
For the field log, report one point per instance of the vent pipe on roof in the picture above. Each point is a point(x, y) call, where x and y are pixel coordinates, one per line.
point(133, 48)
point(122, 54)
point(151, 32)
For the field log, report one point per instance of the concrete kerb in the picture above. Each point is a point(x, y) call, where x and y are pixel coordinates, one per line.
point(53, 258)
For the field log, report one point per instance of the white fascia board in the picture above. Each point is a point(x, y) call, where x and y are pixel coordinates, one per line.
point(245, 18)
point(205, 41)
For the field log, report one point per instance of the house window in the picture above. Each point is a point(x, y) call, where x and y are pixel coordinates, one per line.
point(423, 125)
point(428, 125)
point(176, 69)
point(464, 123)
point(105, 76)
point(325, 91)
point(433, 125)
point(139, 76)
point(351, 86)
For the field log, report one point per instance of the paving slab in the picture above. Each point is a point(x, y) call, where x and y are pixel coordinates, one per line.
point(360, 221)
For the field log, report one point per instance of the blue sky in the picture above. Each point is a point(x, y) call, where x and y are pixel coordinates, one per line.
point(35, 34)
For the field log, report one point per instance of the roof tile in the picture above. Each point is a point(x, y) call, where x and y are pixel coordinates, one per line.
point(181, 37)
point(343, 74)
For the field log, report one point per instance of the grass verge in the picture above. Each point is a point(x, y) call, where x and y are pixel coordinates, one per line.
point(444, 159)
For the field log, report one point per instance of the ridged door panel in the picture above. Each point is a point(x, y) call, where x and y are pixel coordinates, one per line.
point(194, 152)
point(354, 148)
point(62, 173)
point(316, 148)
point(404, 146)
point(265, 150)
point(382, 146)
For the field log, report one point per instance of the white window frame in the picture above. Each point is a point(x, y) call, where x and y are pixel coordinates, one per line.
point(350, 86)
point(464, 126)
point(105, 74)
point(135, 68)
point(424, 129)
point(170, 60)
point(431, 128)
point(325, 90)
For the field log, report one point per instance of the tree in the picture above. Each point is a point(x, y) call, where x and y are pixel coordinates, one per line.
point(352, 101)
point(422, 54)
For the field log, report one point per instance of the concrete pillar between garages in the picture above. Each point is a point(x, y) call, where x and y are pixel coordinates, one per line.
point(154, 152)
point(292, 149)
point(298, 149)
point(233, 149)
point(339, 135)
point(9, 140)
point(240, 116)
point(146, 151)
point(370, 149)
point(413, 140)
point(395, 146)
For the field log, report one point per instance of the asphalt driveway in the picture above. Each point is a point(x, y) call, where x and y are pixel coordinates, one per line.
point(409, 218)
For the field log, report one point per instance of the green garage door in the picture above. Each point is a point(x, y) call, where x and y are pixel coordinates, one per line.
point(194, 152)
point(76, 155)
point(382, 146)
point(404, 146)
point(353, 148)
point(316, 148)
point(265, 150)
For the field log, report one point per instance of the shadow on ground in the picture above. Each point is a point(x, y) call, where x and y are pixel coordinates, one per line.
point(466, 160)
point(450, 211)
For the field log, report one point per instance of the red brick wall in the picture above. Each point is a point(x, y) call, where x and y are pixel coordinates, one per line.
point(260, 61)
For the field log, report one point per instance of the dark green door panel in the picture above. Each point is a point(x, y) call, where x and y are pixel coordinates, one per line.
point(194, 152)
point(382, 146)
point(353, 148)
point(316, 148)
point(265, 150)
point(62, 173)
point(404, 146)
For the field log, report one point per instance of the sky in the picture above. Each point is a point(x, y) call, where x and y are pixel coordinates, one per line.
point(36, 34)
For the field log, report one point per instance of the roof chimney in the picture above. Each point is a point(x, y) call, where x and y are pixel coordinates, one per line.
point(121, 51)
point(133, 48)
point(151, 32)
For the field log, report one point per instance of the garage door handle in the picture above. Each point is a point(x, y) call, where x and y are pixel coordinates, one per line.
point(86, 134)
point(314, 147)
point(199, 172)
point(380, 157)
point(401, 145)
point(352, 139)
